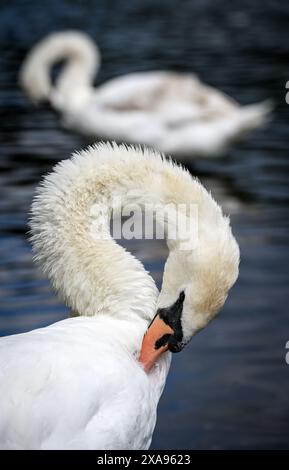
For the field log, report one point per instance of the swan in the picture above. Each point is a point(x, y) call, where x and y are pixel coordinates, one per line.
point(93, 381)
point(168, 111)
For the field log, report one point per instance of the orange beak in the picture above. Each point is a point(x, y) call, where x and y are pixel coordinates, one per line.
point(149, 354)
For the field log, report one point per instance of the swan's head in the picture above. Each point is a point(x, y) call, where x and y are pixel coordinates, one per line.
point(195, 286)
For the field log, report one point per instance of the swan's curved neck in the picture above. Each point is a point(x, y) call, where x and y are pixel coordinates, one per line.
point(77, 75)
point(74, 84)
point(70, 226)
point(81, 62)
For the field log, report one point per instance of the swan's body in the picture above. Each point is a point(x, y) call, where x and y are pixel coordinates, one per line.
point(77, 384)
point(171, 112)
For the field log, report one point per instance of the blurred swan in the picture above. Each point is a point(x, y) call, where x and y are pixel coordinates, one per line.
point(77, 384)
point(171, 112)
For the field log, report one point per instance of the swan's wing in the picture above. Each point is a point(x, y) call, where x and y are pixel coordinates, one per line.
point(66, 386)
point(161, 109)
point(110, 123)
point(145, 91)
point(173, 98)
point(212, 136)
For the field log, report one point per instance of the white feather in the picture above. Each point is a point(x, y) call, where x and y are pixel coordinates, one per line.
point(77, 385)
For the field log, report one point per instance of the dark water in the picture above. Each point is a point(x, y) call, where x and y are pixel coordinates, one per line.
point(229, 388)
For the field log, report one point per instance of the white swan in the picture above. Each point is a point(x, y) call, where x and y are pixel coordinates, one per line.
point(171, 112)
point(77, 384)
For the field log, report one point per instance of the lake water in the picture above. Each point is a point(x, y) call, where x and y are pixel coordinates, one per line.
point(229, 388)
